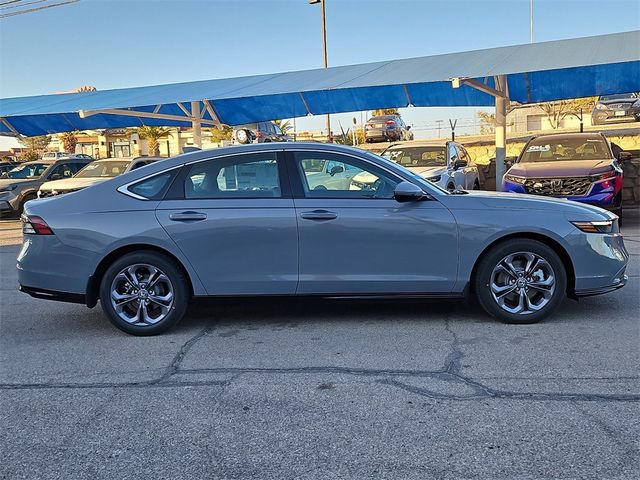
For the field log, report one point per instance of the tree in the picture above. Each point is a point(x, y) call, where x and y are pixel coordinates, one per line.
point(69, 141)
point(36, 145)
point(284, 125)
point(225, 132)
point(385, 111)
point(561, 109)
point(152, 135)
point(487, 122)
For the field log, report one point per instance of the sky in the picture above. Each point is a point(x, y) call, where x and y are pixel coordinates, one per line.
point(122, 43)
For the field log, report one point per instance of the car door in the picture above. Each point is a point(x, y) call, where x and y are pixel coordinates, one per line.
point(360, 240)
point(233, 218)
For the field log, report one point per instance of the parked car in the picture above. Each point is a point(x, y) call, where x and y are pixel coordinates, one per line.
point(387, 128)
point(94, 172)
point(261, 132)
point(245, 221)
point(55, 155)
point(616, 108)
point(575, 166)
point(22, 183)
point(446, 164)
point(7, 166)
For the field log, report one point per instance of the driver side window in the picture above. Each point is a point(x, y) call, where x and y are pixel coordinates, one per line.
point(328, 175)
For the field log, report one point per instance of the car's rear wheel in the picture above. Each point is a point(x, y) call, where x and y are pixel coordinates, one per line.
point(144, 293)
point(520, 281)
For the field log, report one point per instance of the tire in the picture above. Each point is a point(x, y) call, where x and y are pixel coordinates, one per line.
point(476, 185)
point(491, 275)
point(243, 136)
point(451, 187)
point(141, 263)
point(20, 209)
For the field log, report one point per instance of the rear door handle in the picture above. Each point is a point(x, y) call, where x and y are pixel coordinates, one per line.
point(188, 216)
point(319, 215)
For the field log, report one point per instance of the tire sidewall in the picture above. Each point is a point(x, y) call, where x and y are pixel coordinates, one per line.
point(496, 254)
point(170, 269)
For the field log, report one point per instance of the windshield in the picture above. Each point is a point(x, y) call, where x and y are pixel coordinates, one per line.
point(28, 170)
point(620, 96)
point(103, 169)
point(565, 148)
point(418, 156)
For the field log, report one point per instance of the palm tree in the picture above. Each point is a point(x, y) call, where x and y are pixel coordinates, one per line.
point(69, 141)
point(152, 135)
point(284, 125)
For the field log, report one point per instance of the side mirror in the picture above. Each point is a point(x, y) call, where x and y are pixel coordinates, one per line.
point(624, 156)
point(56, 176)
point(459, 164)
point(408, 127)
point(408, 192)
point(336, 169)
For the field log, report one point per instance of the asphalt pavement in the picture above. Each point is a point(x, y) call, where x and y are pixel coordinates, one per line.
point(323, 389)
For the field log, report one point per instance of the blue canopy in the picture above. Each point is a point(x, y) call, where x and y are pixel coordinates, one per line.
point(534, 73)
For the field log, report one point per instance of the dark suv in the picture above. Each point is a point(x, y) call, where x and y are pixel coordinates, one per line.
point(616, 108)
point(387, 128)
point(575, 166)
point(22, 183)
point(261, 132)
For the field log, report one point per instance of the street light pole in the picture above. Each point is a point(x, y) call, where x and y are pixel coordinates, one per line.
point(324, 53)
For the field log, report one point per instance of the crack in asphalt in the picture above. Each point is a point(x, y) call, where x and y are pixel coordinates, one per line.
point(450, 373)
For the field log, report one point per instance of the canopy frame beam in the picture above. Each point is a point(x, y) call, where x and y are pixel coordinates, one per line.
point(6, 123)
point(133, 113)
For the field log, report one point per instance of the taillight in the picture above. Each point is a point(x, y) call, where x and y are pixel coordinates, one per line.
point(33, 225)
point(390, 122)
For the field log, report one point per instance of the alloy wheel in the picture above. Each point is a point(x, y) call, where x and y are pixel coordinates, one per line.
point(142, 294)
point(523, 283)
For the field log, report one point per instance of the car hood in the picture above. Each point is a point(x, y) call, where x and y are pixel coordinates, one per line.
point(13, 181)
point(428, 172)
point(72, 183)
point(558, 168)
point(481, 200)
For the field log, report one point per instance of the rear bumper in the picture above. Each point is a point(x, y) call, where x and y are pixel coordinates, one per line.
point(53, 295)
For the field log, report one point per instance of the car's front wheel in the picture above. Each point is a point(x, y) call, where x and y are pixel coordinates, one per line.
point(520, 281)
point(144, 293)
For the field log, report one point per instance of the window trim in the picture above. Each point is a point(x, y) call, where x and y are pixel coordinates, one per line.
point(296, 180)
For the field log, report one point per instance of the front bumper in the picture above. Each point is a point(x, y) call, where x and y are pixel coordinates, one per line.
point(608, 198)
point(8, 202)
point(609, 116)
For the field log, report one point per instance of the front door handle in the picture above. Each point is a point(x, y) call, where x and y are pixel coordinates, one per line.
point(319, 215)
point(188, 216)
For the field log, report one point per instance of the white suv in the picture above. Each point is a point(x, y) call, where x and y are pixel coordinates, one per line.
point(447, 164)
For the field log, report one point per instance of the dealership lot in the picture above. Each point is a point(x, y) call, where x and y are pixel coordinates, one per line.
point(328, 389)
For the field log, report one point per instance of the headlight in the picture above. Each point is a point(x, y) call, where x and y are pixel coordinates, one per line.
point(601, 106)
point(599, 226)
point(515, 179)
point(435, 179)
point(8, 188)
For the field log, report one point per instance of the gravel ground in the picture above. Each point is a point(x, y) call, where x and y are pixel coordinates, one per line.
point(323, 389)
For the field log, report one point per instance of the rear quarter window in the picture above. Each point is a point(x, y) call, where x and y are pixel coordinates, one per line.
point(154, 188)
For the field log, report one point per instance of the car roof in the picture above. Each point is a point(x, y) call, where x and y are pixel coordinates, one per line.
point(556, 136)
point(423, 143)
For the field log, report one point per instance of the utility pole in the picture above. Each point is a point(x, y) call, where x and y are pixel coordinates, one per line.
point(530, 21)
point(324, 54)
point(439, 123)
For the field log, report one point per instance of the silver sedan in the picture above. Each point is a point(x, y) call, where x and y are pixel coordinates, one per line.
point(266, 220)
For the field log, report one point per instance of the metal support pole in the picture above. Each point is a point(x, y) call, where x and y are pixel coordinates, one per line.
point(325, 60)
point(196, 125)
point(501, 130)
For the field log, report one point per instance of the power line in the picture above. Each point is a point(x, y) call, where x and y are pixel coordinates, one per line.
point(9, 1)
point(35, 9)
point(21, 4)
